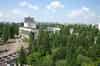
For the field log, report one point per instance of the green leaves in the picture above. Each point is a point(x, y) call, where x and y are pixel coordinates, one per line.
point(64, 48)
point(22, 56)
point(8, 31)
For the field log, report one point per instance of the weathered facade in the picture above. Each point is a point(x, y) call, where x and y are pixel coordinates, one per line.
point(29, 26)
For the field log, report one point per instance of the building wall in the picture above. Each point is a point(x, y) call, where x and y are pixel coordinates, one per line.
point(29, 26)
point(29, 19)
point(26, 25)
point(99, 26)
point(24, 32)
point(29, 22)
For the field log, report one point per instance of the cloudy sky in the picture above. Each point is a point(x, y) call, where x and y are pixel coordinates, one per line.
point(63, 11)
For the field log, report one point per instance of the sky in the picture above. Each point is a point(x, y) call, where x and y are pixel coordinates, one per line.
point(61, 11)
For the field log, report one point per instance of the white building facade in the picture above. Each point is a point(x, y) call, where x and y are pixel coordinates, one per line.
point(29, 26)
point(98, 26)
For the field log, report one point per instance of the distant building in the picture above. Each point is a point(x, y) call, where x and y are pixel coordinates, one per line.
point(53, 29)
point(29, 22)
point(28, 19)
point(29, 26)
point(98, 26)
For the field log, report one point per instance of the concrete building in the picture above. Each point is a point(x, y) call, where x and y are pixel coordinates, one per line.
point(53, 29)
point(29, 22)
point(98, 26)
point(29, 26)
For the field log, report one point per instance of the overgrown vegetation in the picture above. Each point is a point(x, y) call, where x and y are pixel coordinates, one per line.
point(74, 45)
point(8, 31)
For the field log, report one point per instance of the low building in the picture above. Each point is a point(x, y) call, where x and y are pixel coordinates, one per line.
point(30, 26)
point(53, 29)
point(98, 26)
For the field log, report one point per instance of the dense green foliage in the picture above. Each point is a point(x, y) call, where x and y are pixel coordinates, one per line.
point(8, 30)
point(74, 45)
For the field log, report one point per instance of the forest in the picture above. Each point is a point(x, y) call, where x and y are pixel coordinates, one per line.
point(8, 31)
point(73, 45)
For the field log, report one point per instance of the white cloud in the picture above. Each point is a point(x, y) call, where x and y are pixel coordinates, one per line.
point(33, 7)
point(14, 15)
point(23, 4)
point(79, 12)
point(85, 9)
point(1, 14)
point(16, 11)
point(55, 5)
point(75, 13)
point(84, 15)
point(28, 5)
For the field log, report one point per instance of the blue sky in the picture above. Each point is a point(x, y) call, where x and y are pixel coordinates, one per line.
point(63, 11)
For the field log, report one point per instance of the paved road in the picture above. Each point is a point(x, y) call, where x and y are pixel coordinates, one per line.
point(13, 45)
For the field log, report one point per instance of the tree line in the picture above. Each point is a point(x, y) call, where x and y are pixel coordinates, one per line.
point(8, 31)
point(73, 45)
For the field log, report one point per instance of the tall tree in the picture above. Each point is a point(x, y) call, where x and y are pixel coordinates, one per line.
point(22, 57)
point(6, 33)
